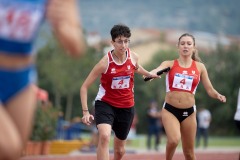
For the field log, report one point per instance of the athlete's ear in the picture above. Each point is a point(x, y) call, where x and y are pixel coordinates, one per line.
point(112, 42)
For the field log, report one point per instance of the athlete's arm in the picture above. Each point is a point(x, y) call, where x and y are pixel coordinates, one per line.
point(159, 70)
point(98, 69)
point(208, 85)
point(164, 64)
point(139, 68)
point(64, 19)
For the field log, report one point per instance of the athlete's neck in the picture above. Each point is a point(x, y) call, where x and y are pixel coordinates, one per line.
point(120, 58)
point(185, 63)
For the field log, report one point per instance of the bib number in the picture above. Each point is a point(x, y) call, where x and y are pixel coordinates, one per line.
point(182, 81)
point(120, 82)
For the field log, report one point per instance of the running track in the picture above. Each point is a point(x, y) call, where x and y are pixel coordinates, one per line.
point(201, 155)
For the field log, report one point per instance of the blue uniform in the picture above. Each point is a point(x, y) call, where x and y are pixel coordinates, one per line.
point(19, 24)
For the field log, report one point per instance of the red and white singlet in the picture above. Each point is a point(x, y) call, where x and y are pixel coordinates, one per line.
point(117, 83)
point(183, 79)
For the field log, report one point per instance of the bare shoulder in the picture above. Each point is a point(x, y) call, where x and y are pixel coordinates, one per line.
point(104, 59)
point(134, 55)
point(102, 64)
point(200, 66)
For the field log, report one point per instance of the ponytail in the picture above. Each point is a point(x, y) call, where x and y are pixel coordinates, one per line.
point(195, 56)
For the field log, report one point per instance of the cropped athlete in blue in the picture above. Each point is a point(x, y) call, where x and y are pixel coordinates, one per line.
point(20, 21)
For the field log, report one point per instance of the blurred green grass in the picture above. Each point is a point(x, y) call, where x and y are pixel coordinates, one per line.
point(228, 142)
point(224, 141)
point(214, 142)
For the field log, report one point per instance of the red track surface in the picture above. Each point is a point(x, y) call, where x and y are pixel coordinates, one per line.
point(201, 155)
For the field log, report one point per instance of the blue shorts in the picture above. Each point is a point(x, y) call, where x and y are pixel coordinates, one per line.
point(13, 81)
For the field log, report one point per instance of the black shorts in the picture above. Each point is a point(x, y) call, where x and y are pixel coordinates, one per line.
point(180, 114)
point(237, 124)
point(119, 118)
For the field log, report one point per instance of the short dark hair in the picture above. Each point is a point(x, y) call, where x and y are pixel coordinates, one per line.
point(120, 30)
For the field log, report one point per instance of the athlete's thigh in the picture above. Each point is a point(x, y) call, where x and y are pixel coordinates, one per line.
point(123, 122)
point(9, 136)
point(21, 109)
point(188, 131)
point(104, 129)
point(171, 125)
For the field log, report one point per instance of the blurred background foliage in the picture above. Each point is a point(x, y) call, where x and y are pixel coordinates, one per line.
point(62, 77)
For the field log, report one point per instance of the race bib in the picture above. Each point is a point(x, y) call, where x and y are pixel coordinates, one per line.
point(120, 82)
point(182, 81)
point(19, 22)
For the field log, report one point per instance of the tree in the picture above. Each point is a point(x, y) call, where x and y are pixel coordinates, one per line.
point(223, 68)
point(62, 76)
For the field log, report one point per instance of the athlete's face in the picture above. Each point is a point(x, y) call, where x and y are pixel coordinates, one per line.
point(121, 44)
point(186, 46)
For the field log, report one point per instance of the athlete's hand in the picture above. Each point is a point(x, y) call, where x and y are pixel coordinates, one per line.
point(221, 98)
point(87, 118)
point(152, 76)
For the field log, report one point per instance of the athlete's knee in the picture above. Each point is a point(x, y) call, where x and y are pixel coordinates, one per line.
point(119, 151)
point(104, 138)
point(11, 150)
point(173, 142)
point(189, 155)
